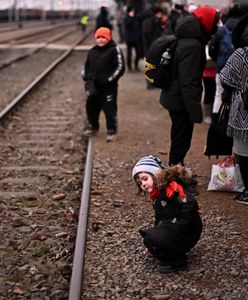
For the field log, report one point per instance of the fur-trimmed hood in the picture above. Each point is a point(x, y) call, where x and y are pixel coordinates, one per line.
point(175, 173)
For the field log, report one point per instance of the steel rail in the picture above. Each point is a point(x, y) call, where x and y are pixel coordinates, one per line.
point(79, 252)
point(42, 31)
point(35, 50)
point(19, 97)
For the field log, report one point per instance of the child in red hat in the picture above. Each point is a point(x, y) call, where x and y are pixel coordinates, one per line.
point(103, 68)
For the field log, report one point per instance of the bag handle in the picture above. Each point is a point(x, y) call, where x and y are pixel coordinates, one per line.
point(228, 161)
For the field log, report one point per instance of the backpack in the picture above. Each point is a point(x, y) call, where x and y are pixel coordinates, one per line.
point(226, 48)
point(159, 61)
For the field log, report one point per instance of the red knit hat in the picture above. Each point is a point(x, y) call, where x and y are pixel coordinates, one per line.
point(206, 16)
point(103, 31)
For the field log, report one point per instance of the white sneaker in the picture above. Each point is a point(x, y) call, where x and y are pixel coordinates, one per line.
point(111, 138)
point(89, 132)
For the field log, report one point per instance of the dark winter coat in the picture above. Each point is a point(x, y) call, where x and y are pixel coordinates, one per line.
point(190, 59)
point(102, 19)
point(178, 225)
point(104, 65)
point(151, 30)
point(132, 29)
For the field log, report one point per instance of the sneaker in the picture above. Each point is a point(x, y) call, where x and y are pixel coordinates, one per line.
point(242, 197)
point(166, 269)
point(89, 132)
point(111, 138)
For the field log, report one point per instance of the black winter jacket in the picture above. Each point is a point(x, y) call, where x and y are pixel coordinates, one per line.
point(132, 27)
point(190, 59)
point(105, 65)
point(178, 225)
point(151, 30)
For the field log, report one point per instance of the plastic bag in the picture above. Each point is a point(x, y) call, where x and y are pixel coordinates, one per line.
point(226, 176)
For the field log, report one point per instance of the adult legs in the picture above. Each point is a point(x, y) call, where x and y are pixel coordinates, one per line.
point(137, 55)
point(129, 56)
point(181, 135)
point(243, 166)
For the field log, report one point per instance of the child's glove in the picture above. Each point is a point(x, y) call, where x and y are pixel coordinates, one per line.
point(90, 88)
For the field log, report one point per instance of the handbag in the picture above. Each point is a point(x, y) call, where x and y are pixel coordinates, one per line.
point(218, 143)
point(226, 177)
point(90, 88)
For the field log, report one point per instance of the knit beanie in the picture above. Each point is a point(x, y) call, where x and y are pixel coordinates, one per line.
point(206, 16)
point(149, 164)
point(103, 31)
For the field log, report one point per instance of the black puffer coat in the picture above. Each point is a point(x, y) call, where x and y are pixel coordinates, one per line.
point(105, 65)
point(178, 225)
point(190, 59)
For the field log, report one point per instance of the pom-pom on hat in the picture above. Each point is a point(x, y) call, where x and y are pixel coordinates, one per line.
point(103, 31)
point(149, 164)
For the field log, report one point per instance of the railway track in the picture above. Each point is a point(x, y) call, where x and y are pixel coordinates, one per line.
point(23, 47)
point(38, 232)
point(30, 63)
point(41, 182)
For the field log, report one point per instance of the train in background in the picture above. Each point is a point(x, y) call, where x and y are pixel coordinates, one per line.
point(9, 15)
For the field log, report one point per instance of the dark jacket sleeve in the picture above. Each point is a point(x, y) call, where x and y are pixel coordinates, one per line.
point(214, 44)
point(88, 70)
point(188, 211)
point(116, 72)
point(190, 80)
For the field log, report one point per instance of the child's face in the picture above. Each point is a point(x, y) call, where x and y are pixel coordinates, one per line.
point(145, 180)
point(101, 41)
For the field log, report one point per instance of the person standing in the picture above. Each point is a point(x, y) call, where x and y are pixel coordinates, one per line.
point(102, 20)
point(234, 78)
point(183, 98)
point(152, 29)
point(103, 68)
point(84, 22)
point(220, 50)
point(132, 32)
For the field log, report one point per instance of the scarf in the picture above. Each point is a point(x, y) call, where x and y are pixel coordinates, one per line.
point(235, 75)
point(170, 189)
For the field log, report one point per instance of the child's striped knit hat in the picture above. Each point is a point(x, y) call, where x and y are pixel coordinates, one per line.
point(149, 164)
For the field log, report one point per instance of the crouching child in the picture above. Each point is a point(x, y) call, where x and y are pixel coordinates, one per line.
point(178, 224)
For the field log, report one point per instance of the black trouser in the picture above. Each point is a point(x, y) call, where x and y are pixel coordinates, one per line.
point(130, 46)
point(209, 86)
point(243, 166)
point(171, 258)
point(106, 102)
point(181, 135)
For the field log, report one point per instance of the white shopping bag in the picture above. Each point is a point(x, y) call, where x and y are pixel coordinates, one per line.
point(226, 176)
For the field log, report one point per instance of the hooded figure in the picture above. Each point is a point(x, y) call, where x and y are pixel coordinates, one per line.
point(183, 98)
point(178, 225)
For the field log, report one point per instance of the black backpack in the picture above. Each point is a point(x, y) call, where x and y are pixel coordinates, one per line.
point(159, 61)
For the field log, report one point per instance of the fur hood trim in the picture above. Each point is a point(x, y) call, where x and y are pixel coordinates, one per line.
point(174, 173)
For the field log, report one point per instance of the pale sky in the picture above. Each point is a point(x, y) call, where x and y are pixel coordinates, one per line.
point(56, 4)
